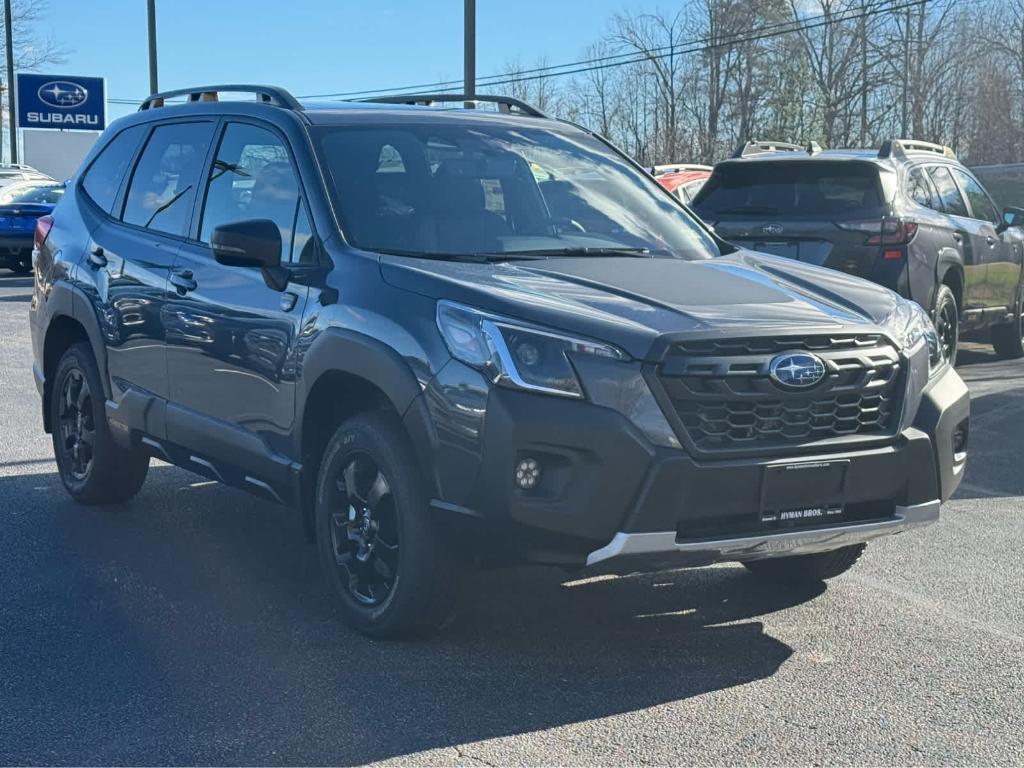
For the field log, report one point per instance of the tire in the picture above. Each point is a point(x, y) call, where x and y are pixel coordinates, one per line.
point(946, 316)
point(807, 568)
point(93, 468)
point(380, 551)
point(21, 264)
point(1008, 339)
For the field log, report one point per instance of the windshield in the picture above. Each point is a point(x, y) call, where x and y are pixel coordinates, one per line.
point(50, 194)
point(790, 189)
point(437, 189)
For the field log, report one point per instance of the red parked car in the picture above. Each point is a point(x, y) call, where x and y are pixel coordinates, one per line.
point(683, 181)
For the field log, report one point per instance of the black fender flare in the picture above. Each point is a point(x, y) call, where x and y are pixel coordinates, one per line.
point(340, 350)
point(64, 299)
point(943, 266)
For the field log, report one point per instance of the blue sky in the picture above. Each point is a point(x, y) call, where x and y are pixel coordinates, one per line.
point(316, 46)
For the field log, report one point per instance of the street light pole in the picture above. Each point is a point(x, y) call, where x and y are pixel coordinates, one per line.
point(469, 50)
point(12, 98)
point(151, 13)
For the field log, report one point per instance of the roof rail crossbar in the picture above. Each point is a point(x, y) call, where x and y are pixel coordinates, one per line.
point(900, 148)
point(760, 147)
point(505, 103)
point(267, 94)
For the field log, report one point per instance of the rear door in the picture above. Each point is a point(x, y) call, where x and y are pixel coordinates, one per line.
point(1002, 254)
point(131, 252)
point(230, 338)
point(970, 236)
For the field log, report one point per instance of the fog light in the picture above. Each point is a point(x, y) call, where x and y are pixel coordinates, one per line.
point(960, 441)
point(527, 474)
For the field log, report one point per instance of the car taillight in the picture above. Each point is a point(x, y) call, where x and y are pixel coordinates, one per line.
point(885, 231)
point(43, 225)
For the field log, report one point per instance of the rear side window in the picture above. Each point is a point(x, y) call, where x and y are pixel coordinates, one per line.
point(919, 189)
point(163, 187)
point(790, 189)
point(952, 201)
point(103, 178)
point(981, 206)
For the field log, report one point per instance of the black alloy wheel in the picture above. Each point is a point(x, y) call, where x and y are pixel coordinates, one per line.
point(364, 530)
point(947, 322)
point(76, 424)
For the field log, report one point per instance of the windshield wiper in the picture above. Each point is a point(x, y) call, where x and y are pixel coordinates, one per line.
point(474, 258)
point(578, 251)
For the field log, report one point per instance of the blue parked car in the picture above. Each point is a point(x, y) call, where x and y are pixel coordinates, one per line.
point(21, 205)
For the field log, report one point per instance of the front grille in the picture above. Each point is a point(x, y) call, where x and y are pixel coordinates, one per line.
point(723, 399)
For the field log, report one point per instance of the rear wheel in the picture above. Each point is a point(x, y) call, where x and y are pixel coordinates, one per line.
point(93, 468)
point(807, 568)
point(384, 557)
point(946, 317)
point(21, 263)
point(1008, 339)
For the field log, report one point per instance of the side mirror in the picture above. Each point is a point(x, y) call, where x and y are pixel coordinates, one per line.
point(251, 243)
point(1012, 217)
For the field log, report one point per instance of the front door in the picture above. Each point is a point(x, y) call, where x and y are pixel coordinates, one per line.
point(968, 237)
point(231, 339)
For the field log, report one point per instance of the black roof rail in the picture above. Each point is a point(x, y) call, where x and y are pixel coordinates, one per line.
point(900, 147)
point(505, 103)
point(760, 147)
point(266, 94)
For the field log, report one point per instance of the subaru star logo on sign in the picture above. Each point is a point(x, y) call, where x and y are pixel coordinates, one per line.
point(64, 102)
point(796, 370)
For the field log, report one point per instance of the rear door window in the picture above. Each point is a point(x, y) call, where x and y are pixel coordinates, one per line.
point(103, 178)
point(981, 206)
point(920, 190)
point(949, 194)
point(163, 187)
point(791, 190)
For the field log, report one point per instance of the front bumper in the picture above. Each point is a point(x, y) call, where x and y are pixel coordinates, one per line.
point(610, 498)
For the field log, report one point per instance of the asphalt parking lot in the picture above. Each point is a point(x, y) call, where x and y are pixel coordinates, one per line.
point(191, 627)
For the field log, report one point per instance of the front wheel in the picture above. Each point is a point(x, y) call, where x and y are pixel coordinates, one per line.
point(807, 568)
point(1008, 339)
point(385, 558)
point(946, 317)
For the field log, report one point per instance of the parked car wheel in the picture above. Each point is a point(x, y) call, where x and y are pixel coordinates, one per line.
point(94, 468)
point(384, 557)
point(807, 568)
point(1008, 339)
point(21, 264)
point(946, 316)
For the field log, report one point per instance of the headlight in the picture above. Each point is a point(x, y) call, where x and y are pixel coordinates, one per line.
point(910, 326)
point(515, 354)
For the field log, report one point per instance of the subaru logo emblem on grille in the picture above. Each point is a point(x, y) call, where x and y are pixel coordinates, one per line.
point(62, 94)
point(796, 370)
point(773, 229)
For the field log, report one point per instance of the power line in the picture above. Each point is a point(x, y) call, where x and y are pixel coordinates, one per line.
point(696, 45)
point(632, 57)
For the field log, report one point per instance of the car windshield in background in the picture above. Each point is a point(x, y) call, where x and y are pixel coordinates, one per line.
point(478, 190)
point(790, 190)
point(46, 194)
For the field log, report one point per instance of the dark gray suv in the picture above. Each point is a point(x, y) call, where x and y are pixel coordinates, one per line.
point(907, 216)
point(461, 337)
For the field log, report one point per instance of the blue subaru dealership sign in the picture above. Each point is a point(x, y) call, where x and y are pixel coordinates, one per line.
point(63, 102)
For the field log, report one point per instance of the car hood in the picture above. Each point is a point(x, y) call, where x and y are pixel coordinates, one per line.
point(631, 301)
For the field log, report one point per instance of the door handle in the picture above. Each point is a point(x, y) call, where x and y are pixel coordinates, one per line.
point(183, 281)
point(991, 241)
point(288, 300)
point(958, 237)
point(97, 258)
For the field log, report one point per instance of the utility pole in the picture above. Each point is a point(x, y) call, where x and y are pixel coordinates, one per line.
point(469, 50)
point(12, 98)
point(151, 12)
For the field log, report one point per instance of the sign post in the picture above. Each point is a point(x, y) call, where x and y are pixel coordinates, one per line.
point(60, 102)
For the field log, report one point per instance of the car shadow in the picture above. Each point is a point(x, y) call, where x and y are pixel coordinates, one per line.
point(994, 450)
point(191, 626)
point(14, 280)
